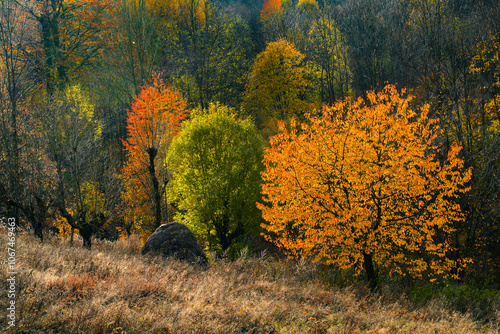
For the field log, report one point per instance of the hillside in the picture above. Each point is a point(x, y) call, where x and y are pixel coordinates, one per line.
point(112, 289)
point(363, 133)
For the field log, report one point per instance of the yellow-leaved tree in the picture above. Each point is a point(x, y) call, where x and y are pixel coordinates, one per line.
point(277, 86)
point(360, 186)
point(89, 203)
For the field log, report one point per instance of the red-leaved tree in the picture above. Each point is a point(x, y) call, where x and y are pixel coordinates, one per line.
point(154, 119)
point(271, 8)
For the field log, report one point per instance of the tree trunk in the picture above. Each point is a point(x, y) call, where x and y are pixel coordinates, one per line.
point(38, 219)
point(152, 152)
point(370, 271)
point(35, 218)
point(221, 233)
point(38, 232)
point(87, 238)
point(55, 73)
point(87, 243)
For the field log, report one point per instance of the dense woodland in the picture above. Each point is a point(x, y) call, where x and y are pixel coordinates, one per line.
point(119, 115)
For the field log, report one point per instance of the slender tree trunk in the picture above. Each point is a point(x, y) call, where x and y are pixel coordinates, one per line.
point(152, 152)
point(36, 217)
point(221, 230)
point(12, 72)
point(39, 217)
point(223, 240)
point(51, 44)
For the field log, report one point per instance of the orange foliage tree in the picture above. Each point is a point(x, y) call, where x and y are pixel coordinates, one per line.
point(360, 186)
point(154, 119)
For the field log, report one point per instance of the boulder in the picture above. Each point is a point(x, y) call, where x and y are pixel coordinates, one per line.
point(175, 240)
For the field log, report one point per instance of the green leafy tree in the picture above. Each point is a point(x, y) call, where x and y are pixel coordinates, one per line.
point(216, 164)
point(70, 38)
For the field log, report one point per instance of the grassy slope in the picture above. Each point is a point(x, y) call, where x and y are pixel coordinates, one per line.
point(112, 289)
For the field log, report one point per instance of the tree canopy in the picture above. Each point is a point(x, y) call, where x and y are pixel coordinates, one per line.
point(277, 86)
point(152, 123)
point(216, 165)
point(361, 184)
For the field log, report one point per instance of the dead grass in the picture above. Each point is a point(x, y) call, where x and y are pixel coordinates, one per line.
point(112, 289)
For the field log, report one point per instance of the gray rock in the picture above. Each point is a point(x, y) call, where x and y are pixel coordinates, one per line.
point(175, 240)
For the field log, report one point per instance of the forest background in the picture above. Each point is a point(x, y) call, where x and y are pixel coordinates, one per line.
point(104, 104)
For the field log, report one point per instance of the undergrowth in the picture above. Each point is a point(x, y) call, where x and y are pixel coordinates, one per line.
point(113, 289)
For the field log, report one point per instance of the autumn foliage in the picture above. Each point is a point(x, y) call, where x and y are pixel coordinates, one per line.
point(271, 8)
point(360, 185)
point(154, 119)
point(277, 86)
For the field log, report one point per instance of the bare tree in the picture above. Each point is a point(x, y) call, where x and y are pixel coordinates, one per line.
point(135, 47)
point(208, 53)
point(74, 134)
point(24, 173)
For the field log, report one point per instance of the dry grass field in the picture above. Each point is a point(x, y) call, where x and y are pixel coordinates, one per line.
point(112, 289)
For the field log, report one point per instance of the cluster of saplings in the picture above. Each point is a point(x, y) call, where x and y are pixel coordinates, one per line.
point(364, 134)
